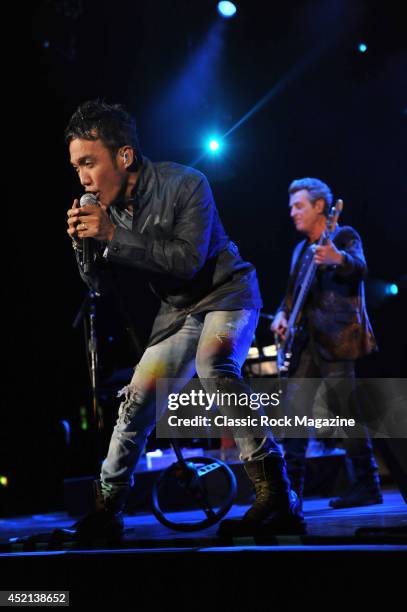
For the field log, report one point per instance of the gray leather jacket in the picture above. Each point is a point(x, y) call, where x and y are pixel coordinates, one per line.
point(177, 240)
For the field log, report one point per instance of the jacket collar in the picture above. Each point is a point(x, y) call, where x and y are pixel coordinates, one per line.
point(141, 189)
point(144, 183)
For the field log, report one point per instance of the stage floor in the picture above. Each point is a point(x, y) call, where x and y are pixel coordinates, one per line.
point(381, 524)
point(341, 549)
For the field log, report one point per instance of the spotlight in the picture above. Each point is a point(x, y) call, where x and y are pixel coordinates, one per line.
point(214, 145)
point(226, 9)
point(362, 47)
point(391, 289)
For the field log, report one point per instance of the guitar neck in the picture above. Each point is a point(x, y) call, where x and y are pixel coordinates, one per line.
point(302, 295)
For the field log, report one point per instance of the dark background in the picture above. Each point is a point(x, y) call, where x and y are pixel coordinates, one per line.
point(326, 110)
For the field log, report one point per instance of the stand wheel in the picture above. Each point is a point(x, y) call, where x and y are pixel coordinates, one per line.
point(195, 486)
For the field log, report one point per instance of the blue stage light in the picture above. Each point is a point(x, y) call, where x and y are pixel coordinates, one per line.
point(362, 47)
point(214, 145)
point(226, 9)
point(392, 289)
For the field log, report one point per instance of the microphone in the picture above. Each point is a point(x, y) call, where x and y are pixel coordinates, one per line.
point(87, 253)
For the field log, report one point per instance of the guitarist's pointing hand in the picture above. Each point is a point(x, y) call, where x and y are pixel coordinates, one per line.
point(279, 325)
point(328, 255)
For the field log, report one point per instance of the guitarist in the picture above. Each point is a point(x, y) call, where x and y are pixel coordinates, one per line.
point(334, 329)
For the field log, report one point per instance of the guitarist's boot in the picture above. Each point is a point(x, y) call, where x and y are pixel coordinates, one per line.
point(276, 509)
point(366, 489)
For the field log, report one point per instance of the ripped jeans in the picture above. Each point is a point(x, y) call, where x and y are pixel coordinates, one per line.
point(213, 344)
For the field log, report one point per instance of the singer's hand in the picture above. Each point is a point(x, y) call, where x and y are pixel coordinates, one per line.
point(73, 220)
point(90, 222)
point(328, 255)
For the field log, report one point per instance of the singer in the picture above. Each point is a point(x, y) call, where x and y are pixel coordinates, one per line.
point(161, 219)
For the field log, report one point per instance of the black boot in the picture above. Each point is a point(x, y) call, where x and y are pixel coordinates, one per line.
point(297, 481)
point(294, 454)
point(105, 522)
point(366, 489)
point(275, 509)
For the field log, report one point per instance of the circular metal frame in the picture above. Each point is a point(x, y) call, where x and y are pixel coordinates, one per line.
point(190, 475)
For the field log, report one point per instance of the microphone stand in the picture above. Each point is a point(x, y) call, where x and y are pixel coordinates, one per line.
point(87, 314)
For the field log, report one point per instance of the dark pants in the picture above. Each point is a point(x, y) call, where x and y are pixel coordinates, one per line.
point(359, 449)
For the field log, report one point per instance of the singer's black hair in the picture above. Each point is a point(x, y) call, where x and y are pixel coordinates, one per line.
point(110, 122)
